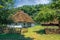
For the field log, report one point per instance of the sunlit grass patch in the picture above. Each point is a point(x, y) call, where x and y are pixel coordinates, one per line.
point(31, 33)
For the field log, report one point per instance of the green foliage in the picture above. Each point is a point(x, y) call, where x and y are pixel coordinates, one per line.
point(55, 4)
point(28, 9)
point(14, 36)
point(6, 3)
point(31, 10)
point(1, 6)
point(5, 6)
point(45, 14)
point(49, 12)
point(39, 12)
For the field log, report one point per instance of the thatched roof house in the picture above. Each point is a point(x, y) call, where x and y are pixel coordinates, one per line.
point(21, 19)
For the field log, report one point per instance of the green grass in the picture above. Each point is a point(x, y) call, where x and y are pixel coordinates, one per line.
point(13, 36)
point(38, 36)
point(32, 33)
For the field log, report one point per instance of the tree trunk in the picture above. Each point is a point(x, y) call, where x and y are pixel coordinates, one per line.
point(20, 30)
point(59, 24)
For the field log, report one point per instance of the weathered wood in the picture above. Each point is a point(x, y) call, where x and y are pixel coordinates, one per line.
point(52, 31)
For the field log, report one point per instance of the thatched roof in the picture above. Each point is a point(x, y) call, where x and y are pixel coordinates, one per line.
point(20, 16)
point(55, 21)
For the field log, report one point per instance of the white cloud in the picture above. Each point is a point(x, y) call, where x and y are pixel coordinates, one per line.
point(42, 1)
point(30, 2)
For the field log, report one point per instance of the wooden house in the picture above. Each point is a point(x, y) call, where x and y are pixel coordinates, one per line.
point(21, 20)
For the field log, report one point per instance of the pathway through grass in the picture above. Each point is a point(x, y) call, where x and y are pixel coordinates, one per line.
point(32, 34)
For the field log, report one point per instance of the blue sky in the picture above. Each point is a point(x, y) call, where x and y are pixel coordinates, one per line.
point(19, 3)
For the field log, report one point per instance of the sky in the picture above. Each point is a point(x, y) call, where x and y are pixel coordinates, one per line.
point(19, 3)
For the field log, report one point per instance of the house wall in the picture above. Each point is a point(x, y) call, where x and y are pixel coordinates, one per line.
point(13, 25)
point(32, 24)
point(24, 24)
point(20, 25)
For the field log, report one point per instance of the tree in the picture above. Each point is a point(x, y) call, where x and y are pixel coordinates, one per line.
point(46, 14)
point(49, 13)
point(56, 6)
point(32, 10)
point(5, 6)
point(28, 9)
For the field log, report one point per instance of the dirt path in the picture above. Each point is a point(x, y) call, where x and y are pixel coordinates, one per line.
point(32, 35)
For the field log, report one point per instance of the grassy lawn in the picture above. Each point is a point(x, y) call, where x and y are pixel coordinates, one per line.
point(32, 33)
point(37, 33)
point(13, 36)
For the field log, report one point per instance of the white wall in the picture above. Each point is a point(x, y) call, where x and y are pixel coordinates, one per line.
point(18, 25)
point(32, 24)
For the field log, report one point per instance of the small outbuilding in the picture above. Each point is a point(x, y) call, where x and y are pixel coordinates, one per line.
point(21, 20)
point(51, 27)
point(51, 23)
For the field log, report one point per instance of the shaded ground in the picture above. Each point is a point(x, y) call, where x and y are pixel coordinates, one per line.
point(42, 31)
point(33, 32)
point(13, 37)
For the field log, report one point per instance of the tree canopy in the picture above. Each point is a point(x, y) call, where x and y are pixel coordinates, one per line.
point(49, 12)
point(45, 14)
point(5, 6)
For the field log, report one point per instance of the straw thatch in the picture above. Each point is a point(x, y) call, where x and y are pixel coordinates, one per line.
point(20, 16)
point(51, 23)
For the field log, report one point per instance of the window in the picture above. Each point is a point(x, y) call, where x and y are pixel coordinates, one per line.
point(29, 24)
